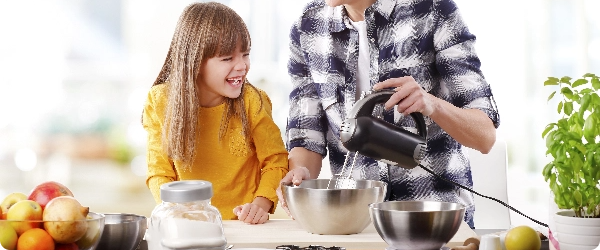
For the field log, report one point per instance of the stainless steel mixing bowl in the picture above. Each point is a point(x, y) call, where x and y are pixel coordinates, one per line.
point(122, 232)
point(416, 225)
point(320, 210)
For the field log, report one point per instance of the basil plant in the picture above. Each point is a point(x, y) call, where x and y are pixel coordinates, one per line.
point(573, 142)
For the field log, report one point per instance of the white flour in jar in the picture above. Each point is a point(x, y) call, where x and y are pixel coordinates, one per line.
point(180, 233)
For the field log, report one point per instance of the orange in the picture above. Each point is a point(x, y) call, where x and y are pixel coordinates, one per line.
point(35, 239)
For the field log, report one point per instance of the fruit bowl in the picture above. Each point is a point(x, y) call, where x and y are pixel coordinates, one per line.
point(34, 234)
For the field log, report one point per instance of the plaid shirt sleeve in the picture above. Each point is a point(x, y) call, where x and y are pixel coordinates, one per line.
point(462, 83)
point(306, 125)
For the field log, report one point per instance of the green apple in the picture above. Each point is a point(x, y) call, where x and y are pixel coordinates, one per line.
point(10, 200)
point(8, 236)
point(25, 215)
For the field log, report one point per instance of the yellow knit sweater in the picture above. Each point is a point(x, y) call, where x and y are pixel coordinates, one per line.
point(238, 174)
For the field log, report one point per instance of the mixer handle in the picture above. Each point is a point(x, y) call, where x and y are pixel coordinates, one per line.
point(365, 106)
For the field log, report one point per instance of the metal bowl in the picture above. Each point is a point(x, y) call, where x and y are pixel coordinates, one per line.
point(320, 206)
point(416, 224)
point(122, 231)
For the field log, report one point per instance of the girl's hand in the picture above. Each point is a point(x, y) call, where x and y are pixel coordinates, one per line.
point(409, 96)
point(295, 176)
point(253, 213)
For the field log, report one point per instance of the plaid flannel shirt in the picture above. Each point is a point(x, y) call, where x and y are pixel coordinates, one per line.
point(426, 39)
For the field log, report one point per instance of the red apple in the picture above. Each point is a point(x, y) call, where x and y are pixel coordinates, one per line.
point(25, 215)
point(9, 201)
point(46, 191)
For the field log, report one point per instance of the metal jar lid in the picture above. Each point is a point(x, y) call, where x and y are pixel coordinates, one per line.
point(186, 191)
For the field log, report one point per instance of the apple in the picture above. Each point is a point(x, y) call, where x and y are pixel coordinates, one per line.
point(46, 191)
point(26, 214)
point(10, 200)
point(8, 236)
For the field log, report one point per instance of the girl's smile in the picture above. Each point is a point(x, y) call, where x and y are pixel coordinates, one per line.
point(235, 81)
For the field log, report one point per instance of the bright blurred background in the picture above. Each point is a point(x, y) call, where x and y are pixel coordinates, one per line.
point(74, 75)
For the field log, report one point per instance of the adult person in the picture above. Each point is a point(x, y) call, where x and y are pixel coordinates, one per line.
point(423, 50)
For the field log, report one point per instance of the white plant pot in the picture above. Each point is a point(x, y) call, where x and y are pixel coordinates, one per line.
point(575, 233)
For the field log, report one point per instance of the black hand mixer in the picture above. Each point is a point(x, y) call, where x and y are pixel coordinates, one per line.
point(380, 140)
point(373, 137)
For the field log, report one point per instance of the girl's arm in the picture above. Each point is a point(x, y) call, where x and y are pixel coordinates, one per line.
point(160, 168)
point(270, 150)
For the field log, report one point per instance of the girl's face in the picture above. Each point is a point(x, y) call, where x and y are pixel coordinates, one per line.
point(223, 77)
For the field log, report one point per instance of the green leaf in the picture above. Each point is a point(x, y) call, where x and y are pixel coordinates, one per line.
point(595, 99)
point(556, 190)
point(589, 129)
point(547, 171)
point(585, 103)
point(548, 128)
point(579, 82)
point(551, 95)
point(586, 91)
point(567, 92)
point(563, 123)
point(566, 79)
point(590, 75)
point(568, 108)
point(551, 81)
point(596, 83)
point(550, 139)
point(560, 107)
point(576, 163)
point(581, 148)
point(578, 198)
point(590, 210)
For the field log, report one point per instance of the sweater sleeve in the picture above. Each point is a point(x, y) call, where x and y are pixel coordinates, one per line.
point(270, 150)
point(160, 167)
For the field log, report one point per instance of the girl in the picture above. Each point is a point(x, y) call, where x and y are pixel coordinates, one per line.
point(205, 121)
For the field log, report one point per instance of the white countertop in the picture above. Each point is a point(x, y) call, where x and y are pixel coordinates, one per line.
point(288, 232)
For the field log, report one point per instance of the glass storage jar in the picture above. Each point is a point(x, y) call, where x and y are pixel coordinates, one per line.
point(185, 219)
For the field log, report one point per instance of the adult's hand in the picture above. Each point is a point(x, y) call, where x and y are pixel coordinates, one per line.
point(409, 96)
point(294, 176)
point(479, 133)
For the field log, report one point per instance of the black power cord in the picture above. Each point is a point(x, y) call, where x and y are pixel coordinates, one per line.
point(484, 196)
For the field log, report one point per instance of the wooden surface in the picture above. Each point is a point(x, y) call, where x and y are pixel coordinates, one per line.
point(288, 232)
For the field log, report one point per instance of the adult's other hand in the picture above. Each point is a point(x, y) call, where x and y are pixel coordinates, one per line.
point(294, 176)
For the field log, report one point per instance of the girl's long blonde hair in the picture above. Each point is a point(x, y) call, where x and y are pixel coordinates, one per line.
point(204, 30)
